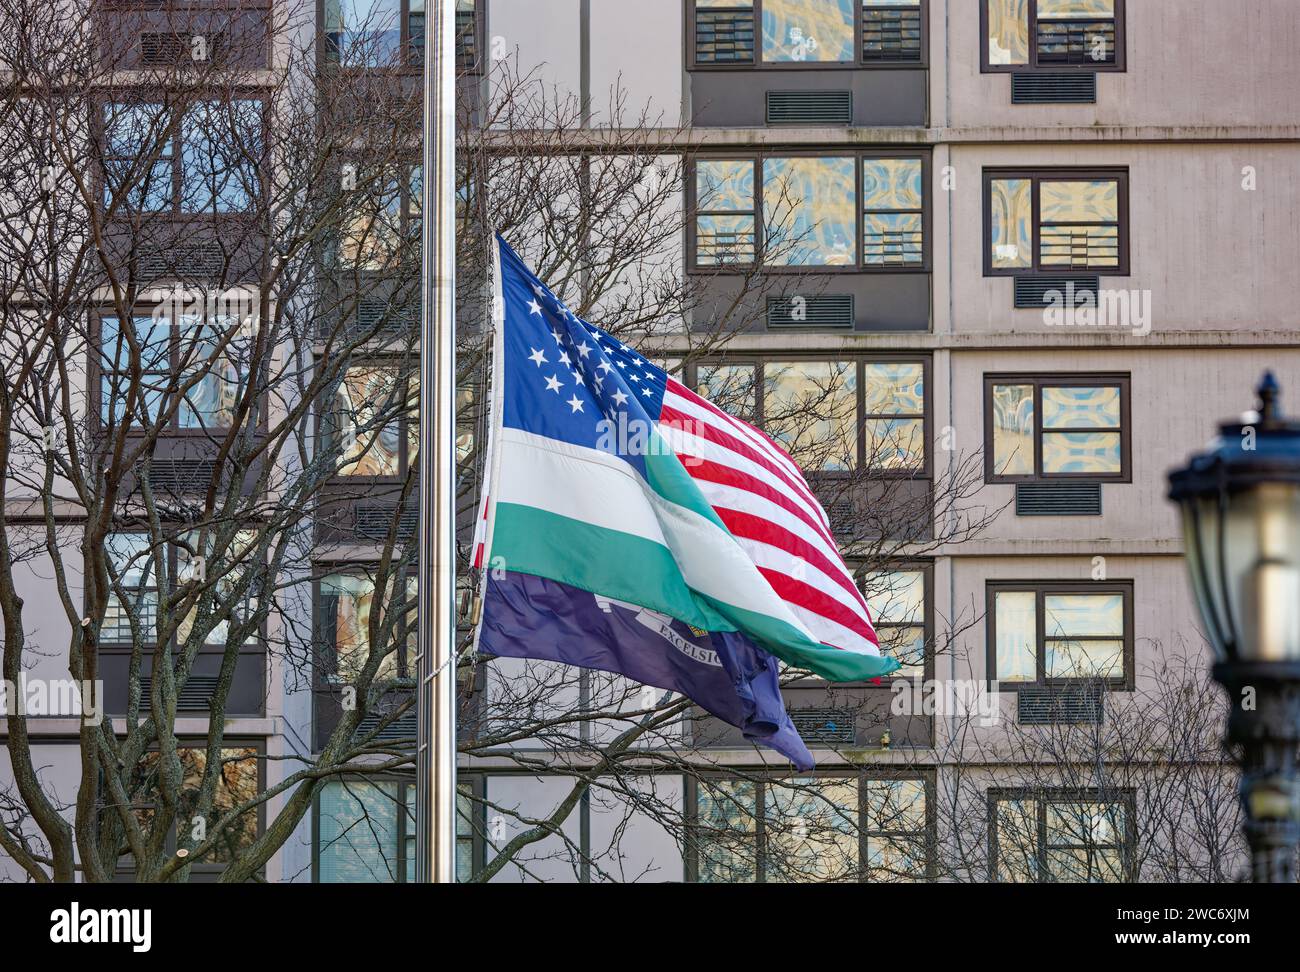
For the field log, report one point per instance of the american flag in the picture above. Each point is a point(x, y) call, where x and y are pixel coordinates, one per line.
point(752, 483)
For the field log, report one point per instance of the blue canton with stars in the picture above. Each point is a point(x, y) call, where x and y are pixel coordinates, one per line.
point(566, 379)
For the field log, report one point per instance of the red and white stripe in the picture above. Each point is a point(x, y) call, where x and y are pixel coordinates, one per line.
point(761, 496)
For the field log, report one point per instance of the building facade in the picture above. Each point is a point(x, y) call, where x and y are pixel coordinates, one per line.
point(1026, 254)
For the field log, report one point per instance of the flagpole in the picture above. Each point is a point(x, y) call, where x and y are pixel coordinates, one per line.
point(435, 834)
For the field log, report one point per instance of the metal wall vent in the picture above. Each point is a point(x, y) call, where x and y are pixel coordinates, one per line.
point(195, 695)
point(1058, 499)
point(810, 107)
point(825, 725)
point(374, 520)
point(182, 475)
point(843, 517)
point(192, 261)
point(1054, 89)
point(162, 48)
point(724, 36)
point(401, 728)
point(1039, 291)
point(819, 310)
point(1043, 705)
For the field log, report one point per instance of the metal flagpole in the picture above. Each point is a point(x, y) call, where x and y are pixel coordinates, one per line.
point(435, 834)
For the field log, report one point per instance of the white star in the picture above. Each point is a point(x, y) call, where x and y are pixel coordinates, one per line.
point(622, 364)
point(574, 403)
point(619, 397)
point(537, 289)
point(537, 357)
point(577, 376)
point(645, 391)
point(556, 335)
point(598, 382)
point(633, 378)
point(534, 307)
point(564, 359)
point(605, 367)
point(584, 349)
point(553, 384)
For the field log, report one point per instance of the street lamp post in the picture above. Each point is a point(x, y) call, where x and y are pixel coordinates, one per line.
point(1240, 502)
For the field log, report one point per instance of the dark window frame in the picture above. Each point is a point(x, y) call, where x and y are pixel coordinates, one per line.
point(175, 138)
point(257, 646)
point(1040, 589)
point(1045, 797)
point(859, 63)
point(324, 657)
point(1033, 67)
point(468, 62)
point(762, 779)
point(410, 216)
point(926, 569)
point(1037, 176)
point(1039, 381)
point(259, 747)
point(859, 155)
point(95, 373)
point(860, 360)
point(406, 420)
point(404, 835)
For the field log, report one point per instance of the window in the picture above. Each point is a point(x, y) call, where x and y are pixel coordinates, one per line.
point(900, 611)
point(391, 33)
point(138, 567)
point(347, 609)
point(1052, 35)
point(205, 162)
point(1056, 428)
point(1055, 220)
point(807, 33)
point(381, 227)
point(372, 426)
point(1056, 633)
point(365, 832)
point(238, 782)
point(201, 358)
point(826, 829)
point(834, 417)
point(1061, 836)
point(850, 212)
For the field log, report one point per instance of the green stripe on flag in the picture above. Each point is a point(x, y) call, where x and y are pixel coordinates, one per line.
point(641, 572)
point(592, 558)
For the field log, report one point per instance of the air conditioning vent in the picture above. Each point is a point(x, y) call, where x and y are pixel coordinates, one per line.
point(1042, 705)
point(825, 725)
point(1053, 89)
point(817, 311)
point(185, 262)
point(195, 695)
point(1039, 291)
point(1058, 499)
point(724, 36)
point(181, 475)
point(810, 107)
point(162, 48)
point(389, 318)
point(374, 520)
point(891, 34)
point(401, 728)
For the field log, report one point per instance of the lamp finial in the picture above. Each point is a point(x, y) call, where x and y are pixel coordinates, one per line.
point(1269, 393)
